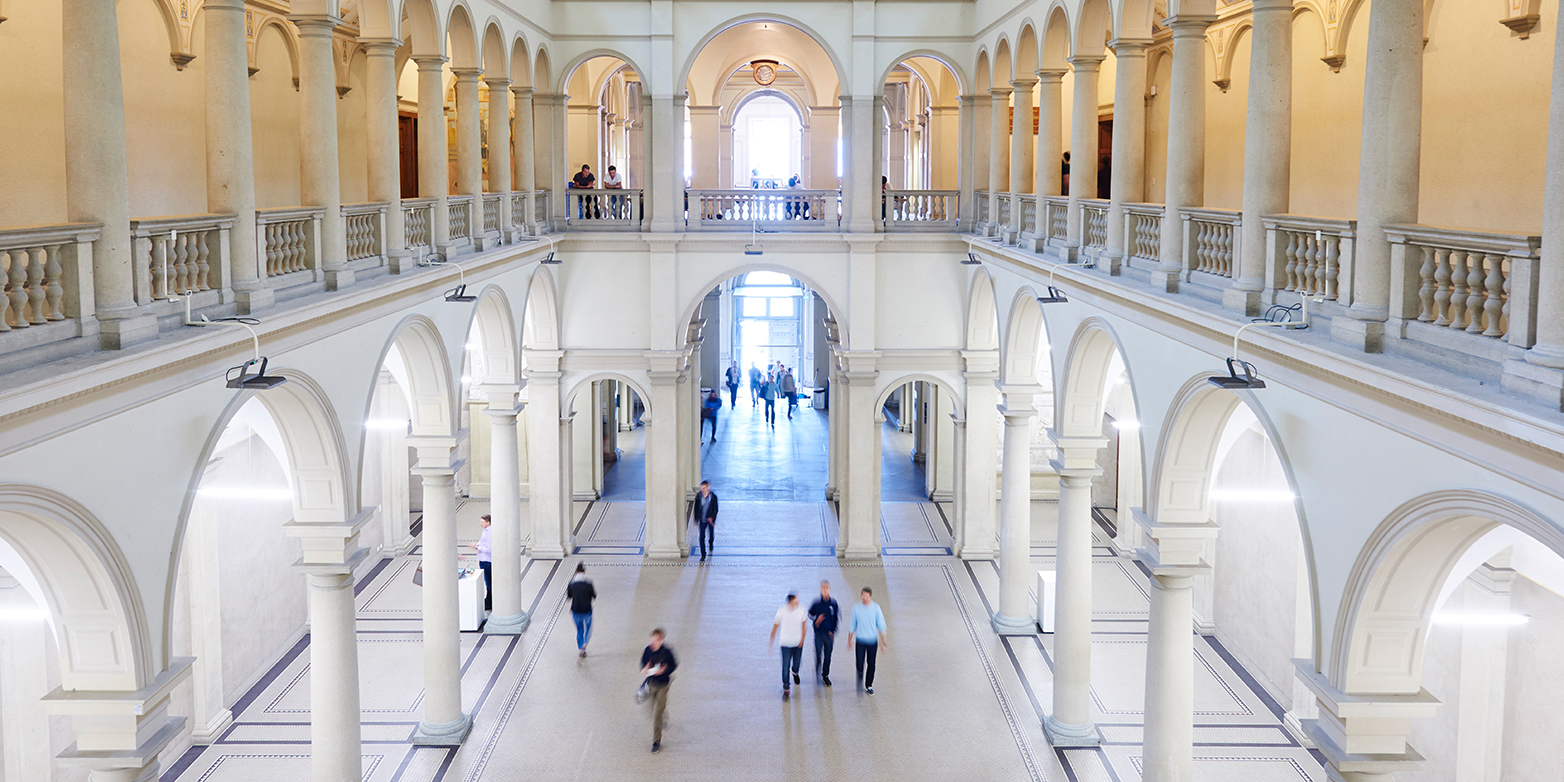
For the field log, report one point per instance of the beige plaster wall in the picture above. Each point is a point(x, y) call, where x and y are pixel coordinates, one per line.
point(165, 117)
point(1225, 130)
point(1327, 121)
point(32, 101)
point(352, 138)
point(274, 124)
point(1161, 77)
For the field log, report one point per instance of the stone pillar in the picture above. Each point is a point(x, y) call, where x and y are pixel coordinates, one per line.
point(336, 749)
point(998, 157)
point(97, 181)
point(664, 493)
point(1129, 141)
point(1014, 616)
point(1050, 149)
point(499, 151)
point(1070, 724)
point(859, 488)
point(966, 118)
point(1388, 171)
point(320, 177)
point(444, 722)
point(230, 158)
point(507, 618)
point(1022, 146)
point(704, 146)
point(549, 142)
point(1541, 375)
point(432, 182)
point(548, 506)
point(524, 161)
point(666, 182)
point(1083, 144)
point(469, 142)
point(382, 133)
point(1186, 166)
point(978, 457)
point(1267, 146)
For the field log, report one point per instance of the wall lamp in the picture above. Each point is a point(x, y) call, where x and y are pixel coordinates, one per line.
point(459, 293)
point(972, 260)
point(1055, 296)
point(1242, 375)
point(240, 376)
point(753, 248)
point(550, 259)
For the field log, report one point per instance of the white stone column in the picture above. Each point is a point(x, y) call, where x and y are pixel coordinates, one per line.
point(336, 749)
point(97, 182)
point(860, 489)
point(978, 458)
point(1267, 146)
point(1083, 144)
point(1014, 616)
point(1022, 147)
point(230, 159)
point(499, 151)
point(1168, 748)
point(1389, 167)
point(320, 175)
point(1050, 149)
point(548, 506)
point(1070, 724)
point(667, 164)
point(469, 142)
point(1129, 141)
point(966, 119)
point(382, 133)
point(998, 154)
point(1186, 161)
point(1541, 376)
point(444, 722)
point(548, 140)
point(664, 493)
point(526, 180)
point(432, 177)
point(507, 618)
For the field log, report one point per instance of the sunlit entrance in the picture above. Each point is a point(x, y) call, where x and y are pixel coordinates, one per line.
point(770, 319)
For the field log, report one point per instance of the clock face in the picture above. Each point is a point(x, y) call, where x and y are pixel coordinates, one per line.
point(765, 74)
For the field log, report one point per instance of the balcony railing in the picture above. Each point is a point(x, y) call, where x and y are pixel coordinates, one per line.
point(460, 210)
point(983, 200)
point(1058, 217)
point(46, 282)
point(1482, 284)
point(177, 256)
point(289, 240)
point(365, 224)
point(604, 210)
point(921, 210)
point(1210, 241)
point(788, 210)
point(518, 210)
point(1028, 214)
point(540, 203)
point(491, 212)
point(1303, 254)
point(1143, 235)
point(418, 221)
point(1094, 225)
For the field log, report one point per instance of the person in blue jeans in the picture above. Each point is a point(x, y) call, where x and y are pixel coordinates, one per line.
point(581, 594)
point(868, 628)
point(789, 624)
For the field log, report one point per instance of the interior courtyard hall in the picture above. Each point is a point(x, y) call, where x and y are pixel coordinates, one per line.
point(1183, 378)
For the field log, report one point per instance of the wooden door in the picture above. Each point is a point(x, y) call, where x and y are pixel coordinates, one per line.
point(407, 151)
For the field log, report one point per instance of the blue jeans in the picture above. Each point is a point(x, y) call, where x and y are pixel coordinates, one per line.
point(796, 655)
point(583, 628)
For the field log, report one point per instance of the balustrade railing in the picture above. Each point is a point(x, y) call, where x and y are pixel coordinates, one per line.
point(1058, 217)
point(518, 210)
point(1004, 212)
point(911, 210)
point(1143, 234)
point(289, 239)
point(1210, 240)
point(491, 212)
point(1094, 224)
point(45, 275)
point(540, 203)
point(177, 256)
point(366, 229)
point(460, 210)
point(776, 209)
point(604, 209)
point(1304, 254)
point(418, 221)
point(1483, 284)
point(983, 200)
point(1028, 213)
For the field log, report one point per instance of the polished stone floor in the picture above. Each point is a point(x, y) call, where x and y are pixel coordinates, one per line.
point(952, 700)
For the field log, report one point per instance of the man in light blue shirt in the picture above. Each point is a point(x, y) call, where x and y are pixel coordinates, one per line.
point(867, 627)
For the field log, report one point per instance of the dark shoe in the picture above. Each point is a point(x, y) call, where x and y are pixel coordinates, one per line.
point(703, 557)
point(583, 654)
point(657, 747)
point(786, 693)
point(827, 680)
point(869, 690)
point(797, 680)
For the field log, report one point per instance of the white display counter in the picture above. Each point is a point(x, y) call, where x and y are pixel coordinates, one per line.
point(469, 601)
point(1046, 586)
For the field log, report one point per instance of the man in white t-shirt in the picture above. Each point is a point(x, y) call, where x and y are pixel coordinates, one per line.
point(790, 622)
point(613, 181)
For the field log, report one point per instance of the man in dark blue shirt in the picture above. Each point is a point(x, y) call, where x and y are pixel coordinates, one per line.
point(657, 665)
point(824, 614)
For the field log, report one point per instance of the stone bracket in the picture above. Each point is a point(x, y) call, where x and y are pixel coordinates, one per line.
point(1364, 732)
point(1175, 549)
point(330, 544)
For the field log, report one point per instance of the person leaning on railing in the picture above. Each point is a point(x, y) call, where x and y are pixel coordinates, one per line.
point(585, 180)
point(616, 203)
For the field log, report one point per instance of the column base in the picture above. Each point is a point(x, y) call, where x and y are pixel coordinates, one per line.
point(1005, 625)
point(204, 735)
point(1069, 252)
point(1245, 302)
point(450, 734)
point(1537, 383)
point(1111, 261)
point(859, 553)
point(665, 552)
point(249, 301)
point(444, 251)
point(1061, 735)
point(976, 553)
point(399, 261)
point(1365, 335)
point(547, 552)
point(124, 332)
point(338, 279)
point(507, 625)
point(1037, 244)
point(1166, 280)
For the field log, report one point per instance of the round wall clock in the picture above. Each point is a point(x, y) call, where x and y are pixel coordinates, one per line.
point(765, 73)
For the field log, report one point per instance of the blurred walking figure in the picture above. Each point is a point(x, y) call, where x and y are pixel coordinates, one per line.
point(825, 614)
point(868, 628)
point(732, 377)
point(485, 547)
point(709, 410)
point(706, 518)
point(658, 665)
point(768, 394)
point(581, 594)
point(789, 623)
point(789, 390)
point(754, 384)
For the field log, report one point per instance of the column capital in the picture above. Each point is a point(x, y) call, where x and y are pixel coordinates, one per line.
point(1077, 455)
point(1364, 733)
point(501, 397)
point(1258, 6)
point(437, 455)
point(542, 364)
point(331, 545)
point(497, 82)
point(430, 62)
point(1086, 62)
point(1187, 25)
point(1024, 82)
point(315, 24)
point(378, 47)
point(972, 99)
point(998, 93)
point(467, 74)
point(1175, 549)
point(1133, 47)
point(980, 363)
point(1047, 75)
point(708, 110)
point(120, 730)
point(1019, 398)
point(522, 92)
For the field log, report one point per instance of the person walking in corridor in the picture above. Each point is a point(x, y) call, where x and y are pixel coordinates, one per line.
point(768, 394)
point(706, 518)
point(789, 390)
point(485, 548)
point(657, 666)
point(581, 594)
point(709, 408)
point(867, 626)
point(789, 624)
point(731, 379)
point(754, 384)
point(825, 614)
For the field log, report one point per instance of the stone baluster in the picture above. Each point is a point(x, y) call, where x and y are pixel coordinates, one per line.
point(1458, 259)
point(1425, 291)
point(159, 269)
point(1475, 292)
point(54, 291)
point(1442, 288)
point(1494, 305)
